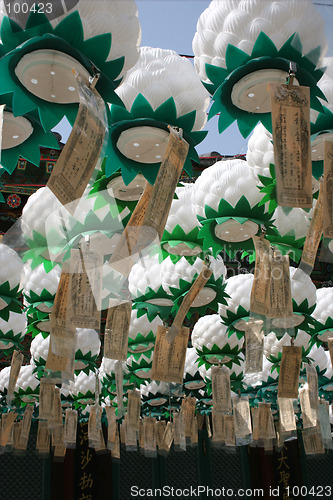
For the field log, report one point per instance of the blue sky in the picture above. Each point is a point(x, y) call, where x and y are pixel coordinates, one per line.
point(171, 24)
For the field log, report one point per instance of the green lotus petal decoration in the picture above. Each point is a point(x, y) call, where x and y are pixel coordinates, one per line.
point(287, 244)
point(82, 400)
point(177, 237)
point(319, 329)
point(87, 359)
point(30, 394)
point(103, 198)
point(308, 324)
point(45, 297)
point(232, 330)
point(224, 212)
point(108, 226)
point(29, 149)
point(232, 317)
point(143, 306)
point(276, 360)
point(142, 114)
point(150, 406)
point(34, 330)
point(135, 379)
point(7, 291)
point(10, 338)
point(184, 286)
point(13, 305)
point(141, 343)
point(264, 55)
point(206, 354)
point(66, 37)
point(39, 369)
point(269, 189)
point(189, 383)
point(37, 249)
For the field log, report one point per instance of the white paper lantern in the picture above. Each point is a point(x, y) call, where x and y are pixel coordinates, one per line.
point(116, 17)
point(160, 74)
point(224, 195)
point(142, 332)
point(238, 303)
point(212, 343)
point(13, 330)
point(11, 267)
point(323, 313)
point(181, 236)
point(239, 24)
point(260, 152)
point(41, 283)
point(84, 388)
point(107, 375)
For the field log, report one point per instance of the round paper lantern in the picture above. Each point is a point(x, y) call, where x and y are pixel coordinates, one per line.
point(117, 18)
point(181, 234)
point(10, 278)
point(22, 136)
point(177, 279)
point(139, 367)
point(4, 378)
point(213, 345)
point(145, 285)
point(242, 47)
point(260, 152)
point(273, 346)
point(38, 60)
point(88, 346)
point(158, 400)
point(12, 331)
point(36, 211)
point(228, 205)
point(113, 192)
point(84, 389)
point(27, 386)
point(40, 285)
point(236, 311)
point(303, 292)
point(39, 349)
point(66, 231)
point(161, 89)
point(142, 332)
point(86, 351)
point(235, 370)
point(323, 314)
point(290, 228)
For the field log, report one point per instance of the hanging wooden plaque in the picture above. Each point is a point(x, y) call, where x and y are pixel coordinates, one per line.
point(169, 357)
point(328, 191)
point(79, 156)
point(149, 218)
point(289, 372)
point(117, 330)
point(292, 145)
